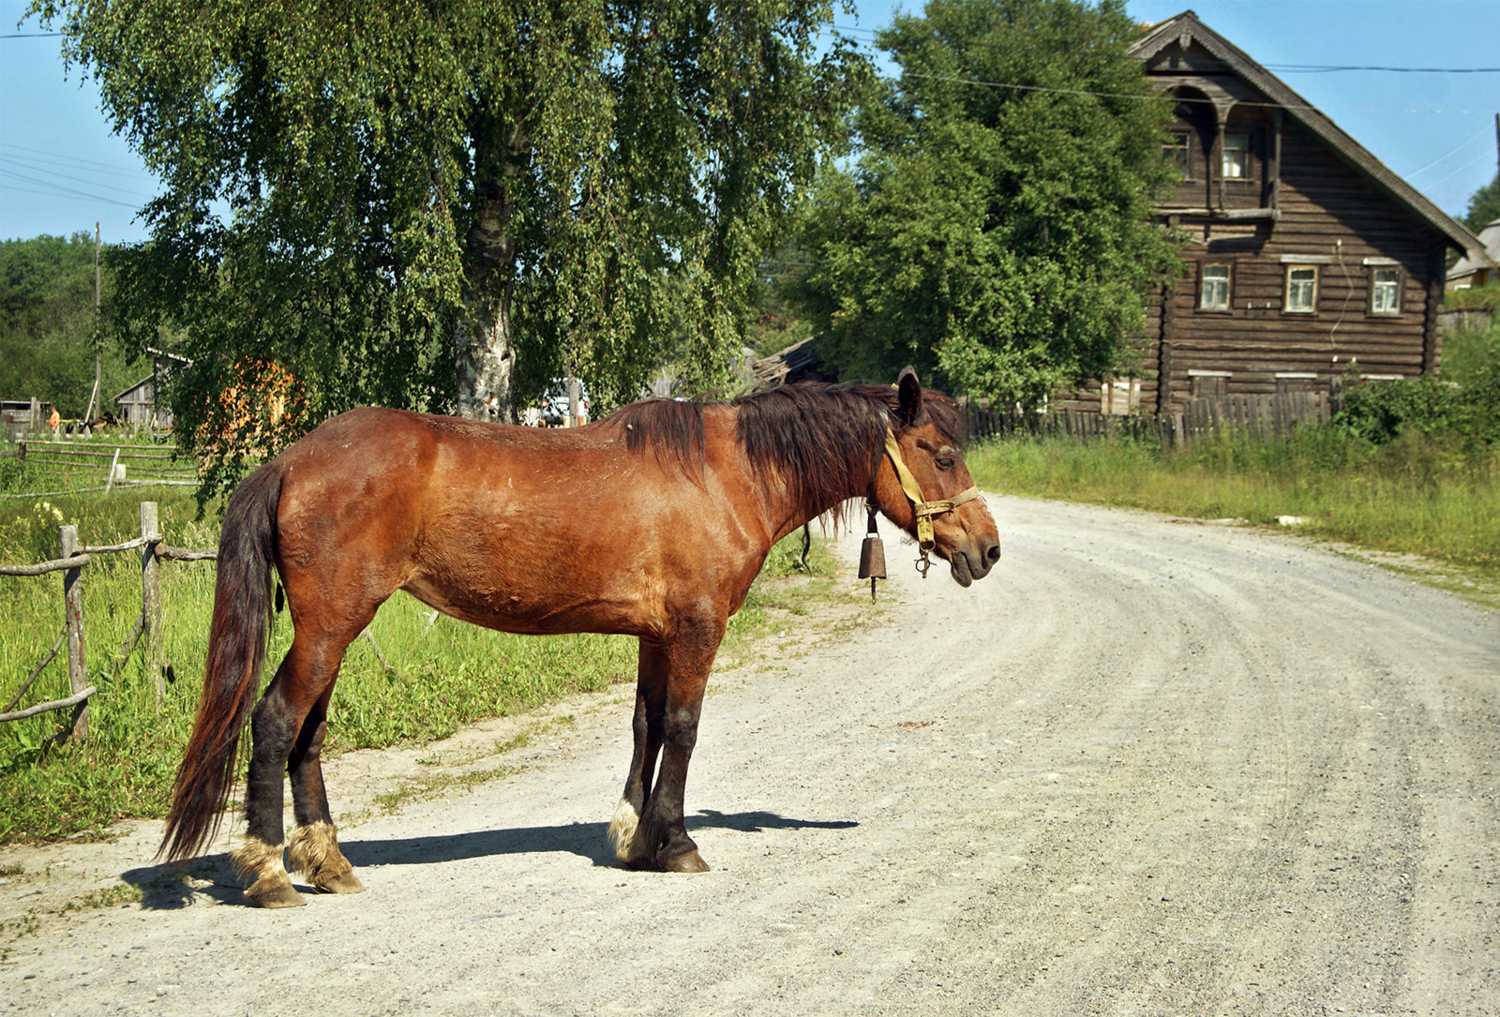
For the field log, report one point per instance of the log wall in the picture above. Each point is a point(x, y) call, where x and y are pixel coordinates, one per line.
point(1299, 201)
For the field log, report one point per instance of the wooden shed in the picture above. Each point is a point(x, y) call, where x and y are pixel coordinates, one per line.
point(1304, 253)
point(18, 417)
point(137, 404)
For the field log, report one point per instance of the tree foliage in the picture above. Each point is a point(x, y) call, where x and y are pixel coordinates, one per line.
point(1484, 206)
point(48, 326)
point(996, 231)
point(439, 204)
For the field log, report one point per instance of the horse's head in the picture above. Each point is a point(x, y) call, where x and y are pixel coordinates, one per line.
point(936, 502)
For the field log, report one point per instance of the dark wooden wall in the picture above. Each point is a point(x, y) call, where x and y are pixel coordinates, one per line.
point(1333, 217)
point(1299, 200)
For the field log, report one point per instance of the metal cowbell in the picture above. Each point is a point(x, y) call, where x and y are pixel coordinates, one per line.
point(872, 558)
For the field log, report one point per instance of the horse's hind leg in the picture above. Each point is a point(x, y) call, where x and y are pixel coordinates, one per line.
point(314, 847)
point(305, 675)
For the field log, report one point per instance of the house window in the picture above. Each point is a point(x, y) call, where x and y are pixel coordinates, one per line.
point(1177, 151)
point(1301, 289)
point(1236, 158)
point(1208, 383)
point(1213, 288)
point(1120, 397)
point(1288, 382)
point(1385, 290)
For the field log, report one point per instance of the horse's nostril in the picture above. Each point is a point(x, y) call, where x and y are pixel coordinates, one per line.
point(994, 553)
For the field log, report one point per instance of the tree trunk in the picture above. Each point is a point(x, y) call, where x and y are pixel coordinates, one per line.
point(484, 357)
point(484, 354)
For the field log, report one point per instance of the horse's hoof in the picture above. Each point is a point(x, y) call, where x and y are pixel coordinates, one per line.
point(277, 894)
point(688, 861)
point(344, 882)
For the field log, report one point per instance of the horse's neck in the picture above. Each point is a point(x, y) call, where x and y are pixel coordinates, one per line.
point(785, 515)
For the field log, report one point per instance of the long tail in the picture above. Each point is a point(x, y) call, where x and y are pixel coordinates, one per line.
point(236, 653)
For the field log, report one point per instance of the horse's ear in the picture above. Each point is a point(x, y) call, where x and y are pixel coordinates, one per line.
point(908, 395)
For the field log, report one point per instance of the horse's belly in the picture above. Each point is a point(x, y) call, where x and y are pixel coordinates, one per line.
point(513, 612)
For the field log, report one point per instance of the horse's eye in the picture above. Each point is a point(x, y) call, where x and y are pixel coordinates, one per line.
point(946, 464)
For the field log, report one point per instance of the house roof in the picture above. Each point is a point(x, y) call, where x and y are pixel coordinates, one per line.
point(148, 379)
point(797, 362)
point(1186, 29)
point(1489, 258)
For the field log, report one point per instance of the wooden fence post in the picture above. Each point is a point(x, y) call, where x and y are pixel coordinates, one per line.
point(73, 613)
point(151, 598)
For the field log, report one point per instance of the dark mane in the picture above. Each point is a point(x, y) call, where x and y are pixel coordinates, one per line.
point(823, 439)
point(670, 428)
point(819, 438)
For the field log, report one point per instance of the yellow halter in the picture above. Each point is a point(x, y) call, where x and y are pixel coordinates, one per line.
point(924, 509)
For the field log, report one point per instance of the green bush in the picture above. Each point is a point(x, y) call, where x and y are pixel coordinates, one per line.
point(1464, 402)
point(1379, 411)
point(1430, 494)
point(1474, 298)
point(1471, 361)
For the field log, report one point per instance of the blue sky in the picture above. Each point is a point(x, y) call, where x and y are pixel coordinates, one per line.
point(61, 168)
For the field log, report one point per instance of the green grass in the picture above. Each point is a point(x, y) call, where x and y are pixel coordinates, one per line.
point(443, 673)
point(1419, 494)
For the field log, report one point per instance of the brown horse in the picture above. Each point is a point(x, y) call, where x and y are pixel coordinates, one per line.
point(651, 522)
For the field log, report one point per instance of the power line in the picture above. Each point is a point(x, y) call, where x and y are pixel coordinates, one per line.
point(65, 176)
point(1288, 68)
point(1324, 69)
point(60, 191)
point(1282, 68)
point(1482, 157)
point(77, 163)
point(1170, 97)
point(1451, 151)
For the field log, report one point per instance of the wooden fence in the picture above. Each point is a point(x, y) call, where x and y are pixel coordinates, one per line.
point(1264, 414)
point(147, 628)
point(109, 464)
point(1477, 318)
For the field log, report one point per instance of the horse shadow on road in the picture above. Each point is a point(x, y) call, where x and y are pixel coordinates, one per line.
point(588, 840)
point(171, 886)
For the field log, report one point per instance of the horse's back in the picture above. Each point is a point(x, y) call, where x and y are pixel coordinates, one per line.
point(522, 529)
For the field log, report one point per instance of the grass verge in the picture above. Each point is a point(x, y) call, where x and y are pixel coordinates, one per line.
point(1424, 495)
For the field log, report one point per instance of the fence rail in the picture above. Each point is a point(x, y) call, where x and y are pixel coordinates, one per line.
point(1265, 414)
point(117, 464)
point(147, 628)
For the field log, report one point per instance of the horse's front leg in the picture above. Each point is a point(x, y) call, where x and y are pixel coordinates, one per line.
point(648, 830)
point(650, 697)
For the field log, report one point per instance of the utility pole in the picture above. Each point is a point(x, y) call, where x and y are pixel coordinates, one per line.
point(89, 414)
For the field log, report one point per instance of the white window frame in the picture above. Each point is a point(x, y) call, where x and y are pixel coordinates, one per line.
point(1218, 283)
point(1230, 169)
point(1299, 296)
point(1390, 287)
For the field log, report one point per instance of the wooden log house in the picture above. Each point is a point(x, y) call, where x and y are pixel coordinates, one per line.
point(1304, 253)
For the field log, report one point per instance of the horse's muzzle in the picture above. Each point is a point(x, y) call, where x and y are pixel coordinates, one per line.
point(967, 567)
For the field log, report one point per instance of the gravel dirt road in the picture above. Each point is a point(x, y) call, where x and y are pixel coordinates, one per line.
point(1145, 767)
